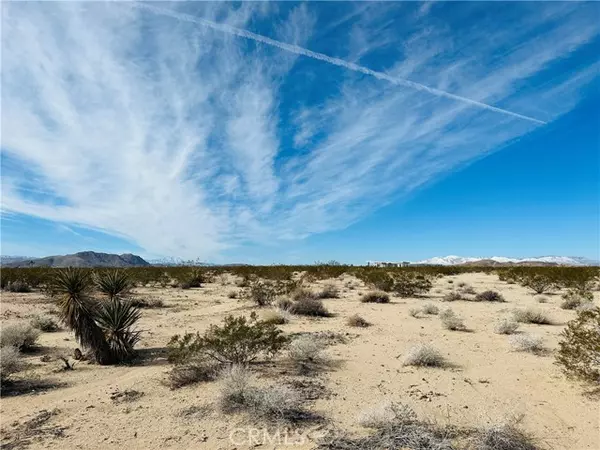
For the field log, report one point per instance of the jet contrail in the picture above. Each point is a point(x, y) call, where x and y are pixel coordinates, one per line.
point(322, 57)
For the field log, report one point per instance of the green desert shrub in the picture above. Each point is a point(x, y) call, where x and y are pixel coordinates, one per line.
point(579, 348)
point(21, 336)
point(375, 297)
point(574, 298)
point(489, 296)
point(45, 323)
point(237, 341)
point(262, 293)
point(357, 321)
point(539, 283)
point(532, 315)
point(407, 284)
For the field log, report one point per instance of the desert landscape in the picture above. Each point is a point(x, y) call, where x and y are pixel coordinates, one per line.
point(361, 363)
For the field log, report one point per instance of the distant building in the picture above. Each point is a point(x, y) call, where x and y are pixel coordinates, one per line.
point(387, 264)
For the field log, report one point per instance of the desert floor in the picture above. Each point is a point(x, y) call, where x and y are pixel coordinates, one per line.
point(487, 383)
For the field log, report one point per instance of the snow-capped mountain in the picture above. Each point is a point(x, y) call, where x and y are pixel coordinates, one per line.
point(455, 260)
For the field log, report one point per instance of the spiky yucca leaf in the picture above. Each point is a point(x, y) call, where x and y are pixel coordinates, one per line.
point(117, 318)
point(113, 283)
point(77, 309)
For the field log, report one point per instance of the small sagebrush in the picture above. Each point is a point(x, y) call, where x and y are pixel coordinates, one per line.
point(9, 362)
point(506, 326)
point(453, 297)
point(375, 297)
point(18, 286)
point(276, 316)
point(22, 336)
point(531, 315)
point(542, 299)
point(503, 436)
point(527, 343)
point(309, 307)
point(414, 312)
point(306, 352)
point(45, 323)
point(423, 355)
point(385, 415)
point(489, 296)
point(451, 321)
point(192, 372)
point(430, 309)
point(357, 321)
point(329, 291)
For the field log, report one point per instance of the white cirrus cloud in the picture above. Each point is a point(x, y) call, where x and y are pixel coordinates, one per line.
point(185, 132)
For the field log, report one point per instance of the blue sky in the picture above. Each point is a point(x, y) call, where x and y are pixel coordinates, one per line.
point(294, 132)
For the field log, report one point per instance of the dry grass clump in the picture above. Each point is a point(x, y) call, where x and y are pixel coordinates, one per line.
point(45, 323)
point(284, 303)
point(430, 308)
point(453, 297)
point(527, 343)
point(330, 290)
point(531, 315)
point(357, 321)
point(232, 294)
point(504, 436)
point(301, 294)
point(307, 306)
point(451, 321)
point(277, 316)
point(489, 296)
point(193, 372)
point(306, 353)
point(466, 289)
point(414, 312)
point(271, 404)
point(542, 299)
point(506, 326)
point(21, 336)
point(423, 355)
point(375, 297)
point(9, 362)
point(147, 302)
point(396, 426)
point(571, 303)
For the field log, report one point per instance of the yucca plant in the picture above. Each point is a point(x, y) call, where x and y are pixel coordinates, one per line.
point(114, 283)
point(77, 310)
point(116, 318)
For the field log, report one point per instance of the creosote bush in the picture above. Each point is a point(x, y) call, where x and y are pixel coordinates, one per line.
point(260, 292)
point(531, 315)
point(237, 341)
point(574, 298)
point(357, 321)
point(506, 326)
point(539, 283)
point(407, 284)
point(21, 336)
point(375, 297)
point(489, 296)
point(579, 348)
point(423, 355)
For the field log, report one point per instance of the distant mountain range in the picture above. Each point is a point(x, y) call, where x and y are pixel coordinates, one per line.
point(503, 260)
point(81, 259)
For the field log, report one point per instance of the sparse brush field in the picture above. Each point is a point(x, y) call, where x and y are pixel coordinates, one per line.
point(312, 377)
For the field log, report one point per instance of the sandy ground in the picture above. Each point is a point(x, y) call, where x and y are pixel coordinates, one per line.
point(487, 383)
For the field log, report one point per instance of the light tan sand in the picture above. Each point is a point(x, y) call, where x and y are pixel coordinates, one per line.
point(489, 382)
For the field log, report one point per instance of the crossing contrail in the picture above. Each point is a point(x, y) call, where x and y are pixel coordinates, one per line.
point(328, 59)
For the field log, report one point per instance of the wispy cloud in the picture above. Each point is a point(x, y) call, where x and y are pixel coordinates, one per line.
point(186, 133)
